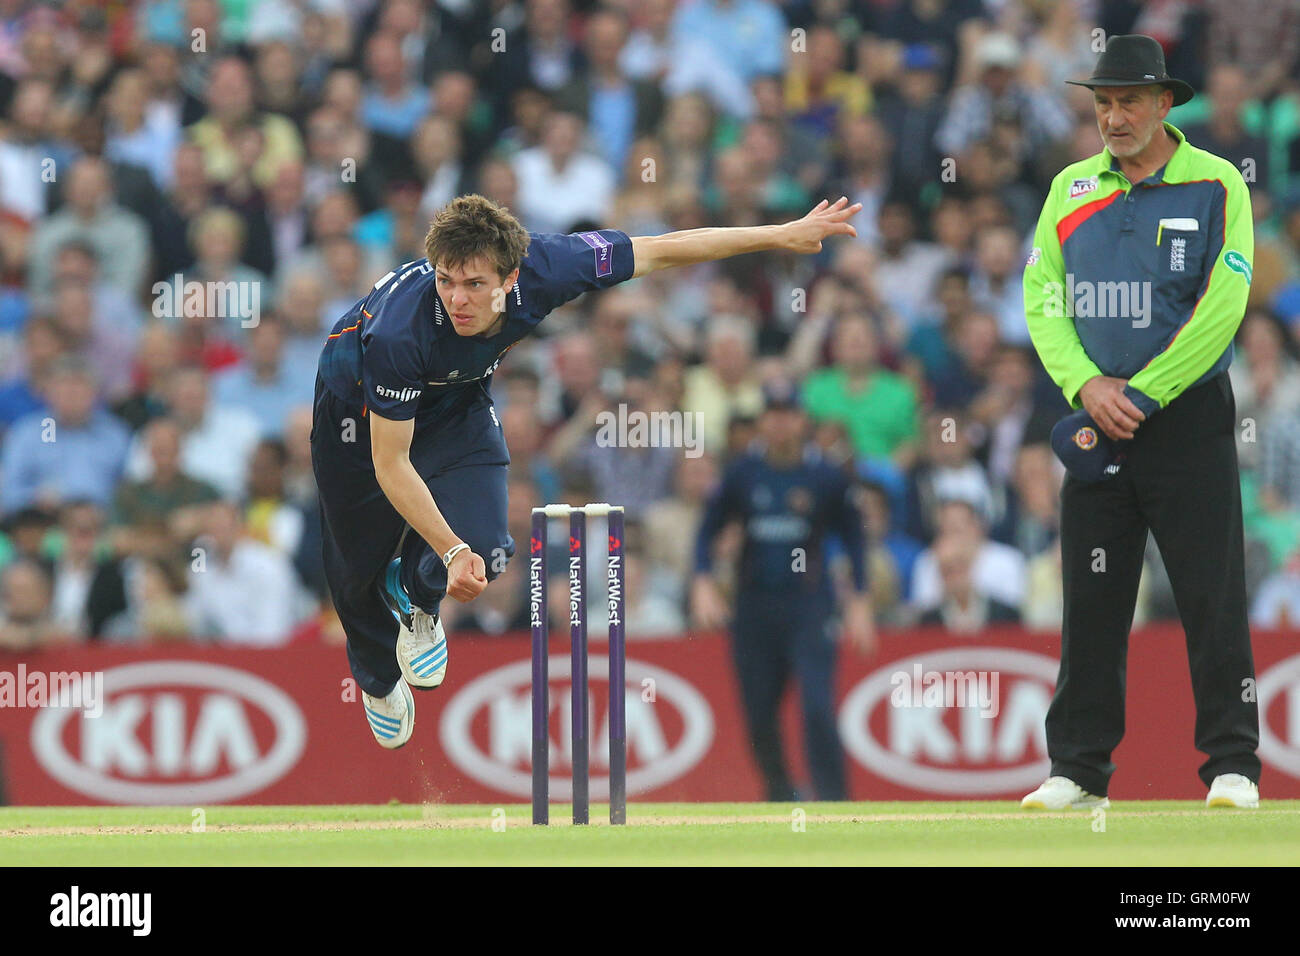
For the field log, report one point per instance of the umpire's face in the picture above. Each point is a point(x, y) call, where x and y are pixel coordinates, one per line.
point(1128, 116)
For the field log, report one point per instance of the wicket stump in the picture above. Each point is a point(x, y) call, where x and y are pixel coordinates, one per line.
point(616, 602)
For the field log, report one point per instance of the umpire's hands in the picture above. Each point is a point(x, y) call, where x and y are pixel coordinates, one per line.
point(1110, 408)
point(467, 577)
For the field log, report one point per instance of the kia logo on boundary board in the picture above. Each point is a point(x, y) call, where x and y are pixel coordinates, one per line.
point(173, 732)
point(927, 749)
point(486, 729)
point(1279, 690)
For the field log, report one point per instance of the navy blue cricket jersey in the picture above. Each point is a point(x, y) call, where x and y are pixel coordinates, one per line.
point(780, 509)
point(397, 354)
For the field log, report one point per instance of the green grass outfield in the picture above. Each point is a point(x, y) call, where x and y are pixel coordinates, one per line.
point(1163, 833)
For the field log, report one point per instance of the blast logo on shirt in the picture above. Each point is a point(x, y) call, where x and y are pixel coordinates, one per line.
point(1034, 257)
point(1081, 187)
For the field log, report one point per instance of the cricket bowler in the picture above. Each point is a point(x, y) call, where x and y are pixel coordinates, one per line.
point(407, 448)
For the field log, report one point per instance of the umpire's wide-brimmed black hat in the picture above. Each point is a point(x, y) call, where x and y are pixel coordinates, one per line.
point(1135, 60)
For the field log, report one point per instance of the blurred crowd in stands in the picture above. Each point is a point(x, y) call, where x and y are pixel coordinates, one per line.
point(155, 475)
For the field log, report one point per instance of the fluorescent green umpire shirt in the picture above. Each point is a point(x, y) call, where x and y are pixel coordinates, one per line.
point(1142, 281)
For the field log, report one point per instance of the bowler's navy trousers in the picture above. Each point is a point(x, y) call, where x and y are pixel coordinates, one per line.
point(461, 455)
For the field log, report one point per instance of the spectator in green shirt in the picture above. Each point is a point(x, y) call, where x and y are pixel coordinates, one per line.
point(877, 406)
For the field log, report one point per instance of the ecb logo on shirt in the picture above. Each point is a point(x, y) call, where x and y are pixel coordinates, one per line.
point(1177, 254)
point(1081, 187)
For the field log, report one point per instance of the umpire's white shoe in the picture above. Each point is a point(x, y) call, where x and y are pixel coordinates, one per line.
point(422, 651)
point(421, 641)
point(1062, 793)
point(1233, 790)
point(391, 718)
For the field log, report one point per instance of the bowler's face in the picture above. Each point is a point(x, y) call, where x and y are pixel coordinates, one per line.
point(1128, 116)
point(475, 296)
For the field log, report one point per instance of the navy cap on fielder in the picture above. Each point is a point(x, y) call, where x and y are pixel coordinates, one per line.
point(780, 393)
point(1085, 450)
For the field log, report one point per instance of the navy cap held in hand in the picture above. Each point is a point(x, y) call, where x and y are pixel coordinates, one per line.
point(1085, 450)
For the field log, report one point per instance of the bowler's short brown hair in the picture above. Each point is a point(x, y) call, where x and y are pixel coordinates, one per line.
point(470, 227)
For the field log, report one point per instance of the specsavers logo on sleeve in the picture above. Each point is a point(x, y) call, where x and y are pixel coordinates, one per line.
point(1237, 263)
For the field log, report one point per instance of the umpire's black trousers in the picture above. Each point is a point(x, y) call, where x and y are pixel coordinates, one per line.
point(1181, 482)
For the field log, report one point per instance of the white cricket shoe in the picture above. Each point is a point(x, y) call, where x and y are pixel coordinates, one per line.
point(391, 718)
point(421, 641)
point(422, 651)
point(1233, 790)
point(1062, 793)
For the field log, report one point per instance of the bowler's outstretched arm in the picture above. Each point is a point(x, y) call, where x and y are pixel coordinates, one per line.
point(690, 246)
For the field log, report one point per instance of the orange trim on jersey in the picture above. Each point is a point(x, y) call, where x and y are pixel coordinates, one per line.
point(351, 328)
point(1075, 219)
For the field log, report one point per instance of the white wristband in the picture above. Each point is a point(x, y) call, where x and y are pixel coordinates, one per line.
point(450, 555)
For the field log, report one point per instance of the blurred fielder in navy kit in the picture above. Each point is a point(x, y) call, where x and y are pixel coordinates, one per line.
point(406, 445)
point(789, 501)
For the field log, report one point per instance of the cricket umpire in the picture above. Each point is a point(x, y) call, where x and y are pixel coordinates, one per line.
point(1134, 290)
